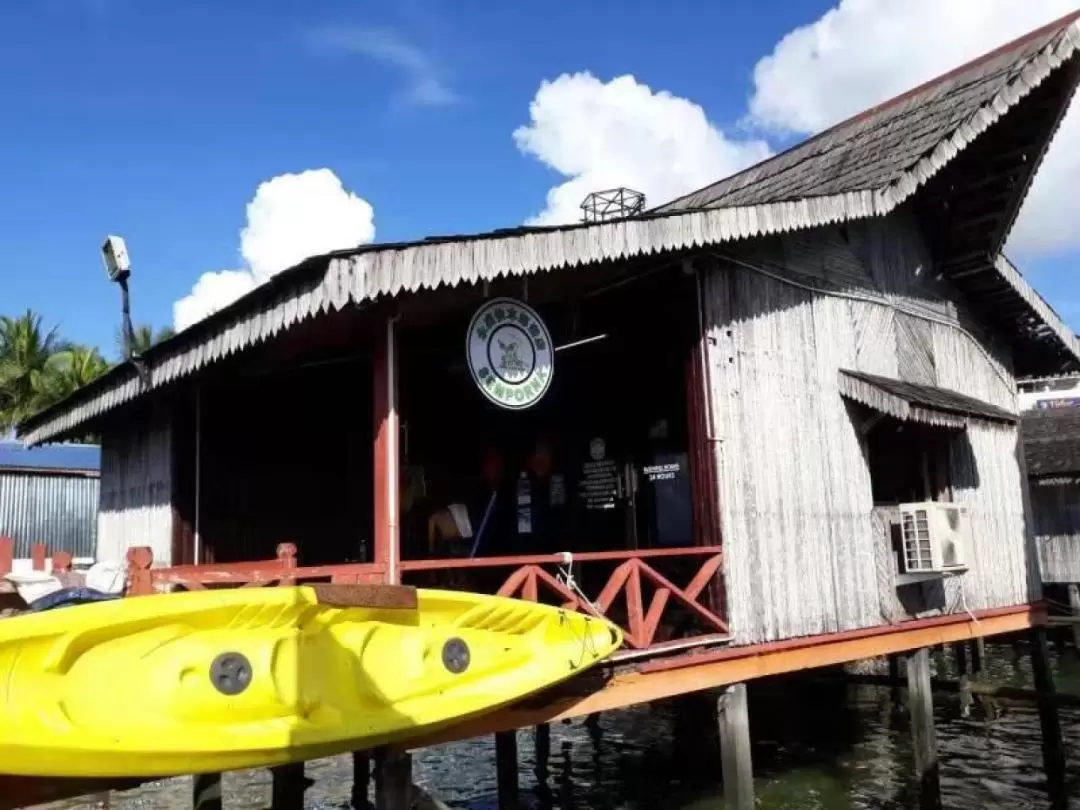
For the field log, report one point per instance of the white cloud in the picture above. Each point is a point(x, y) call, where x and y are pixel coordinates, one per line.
point(211, 292)
point(620, 133)
point(863, 52)
point(291, 217)
point(425, 83)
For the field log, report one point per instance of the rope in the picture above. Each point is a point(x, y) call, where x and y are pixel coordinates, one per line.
point(565, 575)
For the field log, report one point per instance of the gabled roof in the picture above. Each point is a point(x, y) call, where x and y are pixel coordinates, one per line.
point(863, 167)
point(1051, 439)
point(875, 160)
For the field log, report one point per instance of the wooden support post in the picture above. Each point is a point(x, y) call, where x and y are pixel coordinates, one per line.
point(361, 764)
point(978, 657)
point(37, 556)
point(393, 780)
point(61, 563)
point(960, 651)
point(1053, 750)
point(206, 791)
point(286, 556)
point(896, 695)
point(542, 749)
point(506, 769)
point(1074, 603)
point(289, 784)
point(140, 580)
point(386, 473)
point(738, 771)
point(924, 737)
point(7, 555)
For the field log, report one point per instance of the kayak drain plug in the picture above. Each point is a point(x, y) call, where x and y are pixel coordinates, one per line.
point(230, 673)
point(455, 655)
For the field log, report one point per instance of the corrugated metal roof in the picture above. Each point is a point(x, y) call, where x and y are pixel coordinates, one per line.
point(81, 458)
point(763, 200)
point(57, 510)
point(1052, 441)
point(918, 403)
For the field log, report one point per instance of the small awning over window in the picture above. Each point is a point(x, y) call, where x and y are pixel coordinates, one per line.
point(919, 403)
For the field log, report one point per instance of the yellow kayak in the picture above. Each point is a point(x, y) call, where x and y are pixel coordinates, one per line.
point(226, 679)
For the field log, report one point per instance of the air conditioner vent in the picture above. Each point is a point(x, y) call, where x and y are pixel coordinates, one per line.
point(936, 537)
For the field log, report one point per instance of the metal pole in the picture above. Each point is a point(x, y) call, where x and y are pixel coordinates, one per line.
point(197, 551)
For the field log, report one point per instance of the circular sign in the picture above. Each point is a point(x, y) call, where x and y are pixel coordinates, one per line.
point(511, 358)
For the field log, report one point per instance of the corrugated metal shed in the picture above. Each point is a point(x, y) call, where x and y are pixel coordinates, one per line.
point(50, 495)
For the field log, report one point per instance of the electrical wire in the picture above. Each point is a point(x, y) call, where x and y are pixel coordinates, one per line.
point(879, 301)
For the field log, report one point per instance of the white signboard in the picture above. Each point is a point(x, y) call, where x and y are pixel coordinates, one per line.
point(510, 354)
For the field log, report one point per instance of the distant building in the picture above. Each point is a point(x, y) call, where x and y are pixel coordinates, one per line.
point(50, 495)
point(1051, 432)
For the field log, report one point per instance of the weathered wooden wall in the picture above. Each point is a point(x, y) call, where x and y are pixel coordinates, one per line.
point(136, 488)
point(782, 317)
point(1056, 509)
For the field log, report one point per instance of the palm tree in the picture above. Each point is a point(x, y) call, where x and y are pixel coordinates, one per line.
point(24, 352)
point(67, 371)
point(144, 338)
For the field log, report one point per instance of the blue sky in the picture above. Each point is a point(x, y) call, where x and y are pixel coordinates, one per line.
point(159, 120)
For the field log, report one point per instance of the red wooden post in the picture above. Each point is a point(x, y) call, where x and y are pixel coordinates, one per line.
point(37, 556)
point(61, 562)
point(286, 554)
point(387, 537)
point(140, 580)
point(7, 555)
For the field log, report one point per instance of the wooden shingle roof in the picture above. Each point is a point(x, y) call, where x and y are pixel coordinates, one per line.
point(886, 150)
point(1052, 442)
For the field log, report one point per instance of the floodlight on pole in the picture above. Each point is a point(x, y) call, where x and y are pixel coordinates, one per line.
point(115, 255)
point(118, 267)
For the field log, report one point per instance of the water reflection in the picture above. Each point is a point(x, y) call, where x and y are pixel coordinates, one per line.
point(818, 745)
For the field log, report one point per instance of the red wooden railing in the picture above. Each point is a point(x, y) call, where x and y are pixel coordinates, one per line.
point(61, 560)
point(622, 596)
point(626, 587)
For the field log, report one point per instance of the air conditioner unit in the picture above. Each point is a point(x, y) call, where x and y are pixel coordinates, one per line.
point(936, 537)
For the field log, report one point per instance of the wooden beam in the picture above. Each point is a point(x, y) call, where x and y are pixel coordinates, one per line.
point(387, 549)
point(1074, 605)
point(506, 769)
point(695, 672)
point(738, 772)
point(361, 780)
point(923, 734)
point(393, 780)
point(1050, 723)
point(7, 555)
point(288, 785)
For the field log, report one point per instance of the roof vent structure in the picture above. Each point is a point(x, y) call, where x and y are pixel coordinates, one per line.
point(614, 203)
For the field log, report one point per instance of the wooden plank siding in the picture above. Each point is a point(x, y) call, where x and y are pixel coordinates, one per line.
point(783, 316)
point(1056, 510)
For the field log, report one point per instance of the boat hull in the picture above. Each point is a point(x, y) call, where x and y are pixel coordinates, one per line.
point(228, 679)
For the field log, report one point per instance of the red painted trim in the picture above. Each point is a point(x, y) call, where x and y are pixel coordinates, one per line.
point(7, 555)
point(1038, 613)
point(552, 559)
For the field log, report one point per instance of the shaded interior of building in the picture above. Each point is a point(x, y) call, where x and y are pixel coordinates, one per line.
point(277, 446)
